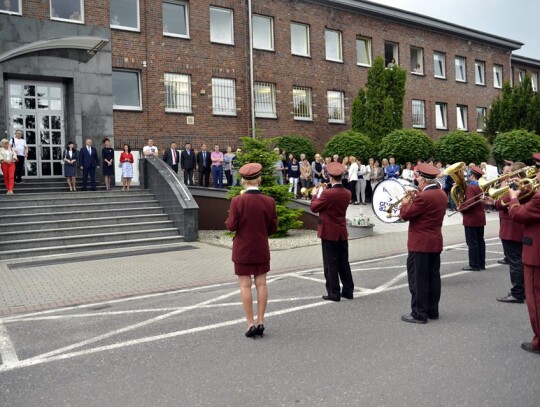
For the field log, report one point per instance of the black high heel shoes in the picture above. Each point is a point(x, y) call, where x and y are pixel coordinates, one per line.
point(252, 332)
point(260, 330)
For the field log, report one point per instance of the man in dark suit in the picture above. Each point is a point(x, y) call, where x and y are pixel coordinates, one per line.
point(171, 156)
point(89, 161)
point(187, 163)
point(425, 214)
point(331, 204)
point(204, 163)
point(529, 214)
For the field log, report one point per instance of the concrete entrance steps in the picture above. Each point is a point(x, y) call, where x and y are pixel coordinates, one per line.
point(32, 185)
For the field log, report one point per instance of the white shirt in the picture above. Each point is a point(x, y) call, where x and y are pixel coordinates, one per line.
point(408, 175)
point(19, 146)
point(353, 172)
point(361, 171)
point(149, 150)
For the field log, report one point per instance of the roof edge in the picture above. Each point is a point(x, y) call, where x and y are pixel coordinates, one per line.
point(526, 60)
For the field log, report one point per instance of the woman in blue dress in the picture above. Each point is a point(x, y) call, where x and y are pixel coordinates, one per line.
point(70, 165)
point(108, 162)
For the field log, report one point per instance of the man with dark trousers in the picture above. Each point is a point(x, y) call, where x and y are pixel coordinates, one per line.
point(187, 163)
point(171, 156)
point(331, 204)
point(425, 213)
point(529, 215)
point(474, 220)
point(88, 161)
point(204, 164)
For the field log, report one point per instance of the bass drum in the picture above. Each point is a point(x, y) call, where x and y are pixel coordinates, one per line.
point(386, 193)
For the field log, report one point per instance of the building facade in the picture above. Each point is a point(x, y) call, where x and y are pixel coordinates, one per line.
point(179, 70)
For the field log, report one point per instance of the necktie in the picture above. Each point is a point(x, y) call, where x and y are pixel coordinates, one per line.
point(173, 156)
point(204, 158)
point(89, 151)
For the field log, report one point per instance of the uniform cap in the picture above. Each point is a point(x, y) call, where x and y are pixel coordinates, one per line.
point(427, 170)
point(251, 171)
point(477, 170)
point(335, 169)
point(536, 158)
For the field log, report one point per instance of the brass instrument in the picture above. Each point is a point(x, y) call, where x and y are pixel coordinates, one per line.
point(522, 185)
point(309, 191)
point(485, 184)
point(456, 171)
point(409, 193)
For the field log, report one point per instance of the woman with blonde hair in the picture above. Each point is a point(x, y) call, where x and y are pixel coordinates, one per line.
point(7, 163)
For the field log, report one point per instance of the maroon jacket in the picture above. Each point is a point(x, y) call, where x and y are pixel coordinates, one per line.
point(253, 217)
point(425, 214)
point(529, 215)
point(332, 207)
point(472, 208)
point(509, 229)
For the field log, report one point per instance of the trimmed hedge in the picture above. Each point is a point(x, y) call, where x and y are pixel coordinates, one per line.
point(407, 145)
point(349, 143)
point(297, 145)
point(516, 145)
point(462, 146)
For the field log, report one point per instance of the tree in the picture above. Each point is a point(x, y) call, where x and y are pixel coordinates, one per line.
point(407, 145)
point(516, 145)
point(462, 146)
point(297, 145)
point(349, 143)
point(378, 109)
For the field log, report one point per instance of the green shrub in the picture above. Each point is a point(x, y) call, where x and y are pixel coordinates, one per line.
point(515, 145)
point(293, 144)
point(462, 146)
point(349, 143)
point(407, 145)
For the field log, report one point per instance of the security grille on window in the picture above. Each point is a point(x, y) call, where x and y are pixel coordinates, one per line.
point(177, 93)
point(363, 51)
point(126, 90)
point(263, 33)
point(417, 60)
point(265, 100)
point(461, 112)
point(175, 18)
point(221, 25)
point(418, 114)
point(534, 81)
point(300, 39)
point(461, 69)
point(223, 97)
point(302, 103)
point(125, 14)
point(480, 72)
point(336, 109)
point(521, 75)
point(333, 45)
point(68, 10)
point(497, 76)
point(481, 118)
point(440, 116)
point(439, 65)
point(10, 6)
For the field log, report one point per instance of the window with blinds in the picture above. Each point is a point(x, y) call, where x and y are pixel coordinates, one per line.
point(265, 100)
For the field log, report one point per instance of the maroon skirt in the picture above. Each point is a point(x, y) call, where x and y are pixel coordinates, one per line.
point(251, 269)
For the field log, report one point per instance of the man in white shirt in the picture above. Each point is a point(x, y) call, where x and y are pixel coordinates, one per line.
point(150, 150)
point(361, 184)
point(21, 149)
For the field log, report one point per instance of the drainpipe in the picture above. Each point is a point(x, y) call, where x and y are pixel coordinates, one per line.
point(251, 75)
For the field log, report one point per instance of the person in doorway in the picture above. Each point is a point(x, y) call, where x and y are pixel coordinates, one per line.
point(70, 165)
point(126, 159)
point(89, 161)
point(204, 164)
point(21, 149)
point(171, 156)
point(187, 163)
point(107, 155)
point(8, 158)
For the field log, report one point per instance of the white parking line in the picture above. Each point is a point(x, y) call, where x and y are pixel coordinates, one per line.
point(7, 350)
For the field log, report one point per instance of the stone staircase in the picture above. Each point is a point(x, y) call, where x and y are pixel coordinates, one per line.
point(30, 186)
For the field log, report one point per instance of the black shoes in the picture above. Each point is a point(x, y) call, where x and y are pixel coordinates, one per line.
point(328, 298)
point(510, 299)
point(471, 269)
point(253, 331)
point(348, 296)
point(503, 261)
point(260, 330)
point(528, 346)
point(413, 320)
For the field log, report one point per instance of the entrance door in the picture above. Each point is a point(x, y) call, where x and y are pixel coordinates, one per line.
point(37, 108)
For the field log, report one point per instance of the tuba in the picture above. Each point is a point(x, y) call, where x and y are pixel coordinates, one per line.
point(456, 171)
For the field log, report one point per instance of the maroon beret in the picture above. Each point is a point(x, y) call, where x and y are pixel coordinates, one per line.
point(335, 169)
point(536, 158)
point(251, 171)
point(427, 170)
point(477, 170)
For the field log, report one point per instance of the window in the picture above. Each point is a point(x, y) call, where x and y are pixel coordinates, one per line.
point(417, 60)
point(521, 75)
point(221, 25)
point(11, 7)
point(300, 39)
point(223, 97)
point(175, 19)
point(263, 33)
point(439, 65)
point(177, 93)
point(418, 114)
point(461, 69)
point(461, 112)
point(67, 10)
point(265, 100)
point(480, 72)
point(302, 103)
point(497, 76)
point(336, 109)
point(534, 81)
point(481, 113)
point(391, 51)
point(126, 88)
point(333, 46)
point(125, 14)
point(363, 51)
point(441, 121)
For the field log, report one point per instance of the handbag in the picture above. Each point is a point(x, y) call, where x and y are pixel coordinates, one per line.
point(119, 165)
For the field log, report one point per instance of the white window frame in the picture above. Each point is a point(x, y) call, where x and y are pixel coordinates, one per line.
point(271, 33)
point(186, 16)
point(483, 111)
point(441, 116)
point(265, 96)
point(231, 12)
point(339, 96)
point(461, 117)
point(534, 81)
point(127, 28)
point(395, 52)
point(480, 72)
point(460, 65)
point(308, 100)
point(421, 62)
point(133, 108)
point(217, 96)
point(497, 76)
point(521, 75)
point(441, 62)
point(340, 49)
point(418, 111)
point(14, 13)
point(172, 79)
point(307, 38)
point(68, 20)
point(367, 46)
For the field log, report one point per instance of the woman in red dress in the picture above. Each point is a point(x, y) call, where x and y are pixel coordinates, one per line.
point(253, 217)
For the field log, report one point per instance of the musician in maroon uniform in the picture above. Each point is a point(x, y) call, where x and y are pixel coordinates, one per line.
point(529, 215)
point(474, 220)
point(425, 213)
point(253, 217)
point(331, 204)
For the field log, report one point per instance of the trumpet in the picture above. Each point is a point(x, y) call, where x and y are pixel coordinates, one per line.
point(486, 185)
point(309, 191)
point(529, 185)
point(409, 193)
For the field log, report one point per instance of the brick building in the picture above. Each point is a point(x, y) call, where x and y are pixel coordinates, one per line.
point(181, 70)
